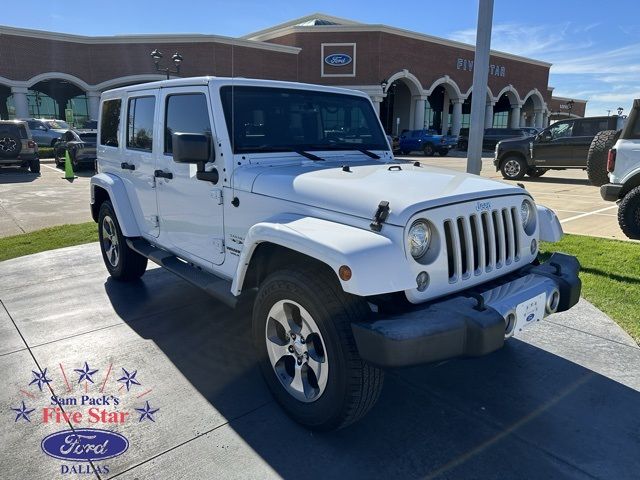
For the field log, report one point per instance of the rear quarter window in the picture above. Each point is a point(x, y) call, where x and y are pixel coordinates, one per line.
point(110, 122)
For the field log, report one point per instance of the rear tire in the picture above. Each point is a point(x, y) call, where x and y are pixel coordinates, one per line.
point(314, 311)
point(34, 165)
point(123, 263)
point(513, 168)
point(597, 156)
point(428, 150)
point(629, 214)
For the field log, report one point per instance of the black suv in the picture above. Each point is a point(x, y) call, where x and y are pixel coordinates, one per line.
point(565, 144)
point(491, 136)
point(17, 147)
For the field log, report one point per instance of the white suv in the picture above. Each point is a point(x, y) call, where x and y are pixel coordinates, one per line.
point(623, 165)
point(290, 193)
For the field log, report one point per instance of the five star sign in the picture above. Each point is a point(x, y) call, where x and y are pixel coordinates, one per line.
point(39, 378)
point(147, 412)
point(24, 412)
point(85, 373)
point(129, 378)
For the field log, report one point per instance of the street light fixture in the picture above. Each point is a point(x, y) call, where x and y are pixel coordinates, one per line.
point(620, 110)
point(570, 107)
point(384, 84)
point(177, 60)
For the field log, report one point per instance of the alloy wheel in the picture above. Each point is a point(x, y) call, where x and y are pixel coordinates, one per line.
point(110, 241)
point(512, 168)
point(296, 350)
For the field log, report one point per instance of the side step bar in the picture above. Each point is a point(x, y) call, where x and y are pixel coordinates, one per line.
point(215, 286)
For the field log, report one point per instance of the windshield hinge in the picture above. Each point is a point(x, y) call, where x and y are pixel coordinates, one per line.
point(380, 216)
point(217, 195)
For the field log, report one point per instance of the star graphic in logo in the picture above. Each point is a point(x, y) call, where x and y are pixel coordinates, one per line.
point(23, 412)
point(129, 379)
point(39, 378)
point(85, 373)
point(147, 412)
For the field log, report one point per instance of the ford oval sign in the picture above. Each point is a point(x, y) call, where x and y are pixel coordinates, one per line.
point(84, 444)
point(338, 59)
point(530, 317)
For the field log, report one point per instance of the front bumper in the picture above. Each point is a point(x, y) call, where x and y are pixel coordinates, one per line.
point(611, 192)
point(470, 323)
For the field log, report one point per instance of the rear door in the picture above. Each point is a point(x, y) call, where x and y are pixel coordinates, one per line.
point(557, 150)
point(583, 132)
point(191, 210)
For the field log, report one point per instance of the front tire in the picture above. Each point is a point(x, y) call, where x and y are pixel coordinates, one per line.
point(123, 263)
point(629, 214)
point(307, 353)
point(513, 168)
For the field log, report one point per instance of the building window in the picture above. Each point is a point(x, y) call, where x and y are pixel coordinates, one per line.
point(140, 123)
point(500, 120)
point(110, 122)
point(185, 113)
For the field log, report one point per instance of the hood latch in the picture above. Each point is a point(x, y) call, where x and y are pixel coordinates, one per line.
point(380, 216)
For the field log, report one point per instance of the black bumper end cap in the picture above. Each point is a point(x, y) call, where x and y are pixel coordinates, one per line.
point(610, 192)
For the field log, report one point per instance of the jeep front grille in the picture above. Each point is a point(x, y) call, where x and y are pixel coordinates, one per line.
point(481, 242)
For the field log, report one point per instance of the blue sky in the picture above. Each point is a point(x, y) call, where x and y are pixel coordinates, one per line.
point(594, 45)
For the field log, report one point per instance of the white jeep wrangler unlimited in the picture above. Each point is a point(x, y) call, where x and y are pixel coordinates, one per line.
point(357, 261)
point(623, 165)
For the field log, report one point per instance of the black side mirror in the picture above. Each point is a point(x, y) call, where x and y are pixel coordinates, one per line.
point(191, 148)
point(194, 148)
point(545, 136)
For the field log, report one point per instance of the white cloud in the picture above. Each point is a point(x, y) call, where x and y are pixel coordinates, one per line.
point(607, 77)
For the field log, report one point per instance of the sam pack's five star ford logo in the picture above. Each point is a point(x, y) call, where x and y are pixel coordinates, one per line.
point(338, 59)
point(80, 402)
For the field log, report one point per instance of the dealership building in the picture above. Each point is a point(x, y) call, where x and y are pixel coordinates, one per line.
point(414, 80)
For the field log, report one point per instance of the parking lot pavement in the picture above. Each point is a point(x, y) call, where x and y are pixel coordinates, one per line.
point(578, 204)
point(30, 202)
point(562, 401)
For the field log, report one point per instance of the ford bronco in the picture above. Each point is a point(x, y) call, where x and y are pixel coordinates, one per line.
point(288, 194)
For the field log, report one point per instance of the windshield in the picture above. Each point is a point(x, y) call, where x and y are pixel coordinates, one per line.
point(261, 119)
point(58, 124)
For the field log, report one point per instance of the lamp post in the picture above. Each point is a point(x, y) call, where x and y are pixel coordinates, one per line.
point(570, 107)
point(177, 60)
point(620, 110)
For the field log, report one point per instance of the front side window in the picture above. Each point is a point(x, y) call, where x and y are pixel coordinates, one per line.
point(109, 123)
point(58, 124)
point(140, 115)
point(186, 113)
point(560, 130)
point(265, 119)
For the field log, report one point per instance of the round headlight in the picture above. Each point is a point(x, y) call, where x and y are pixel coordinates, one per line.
point(419, 238)
point(527, 215)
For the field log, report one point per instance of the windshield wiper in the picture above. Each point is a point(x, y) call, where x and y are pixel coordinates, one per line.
point(310, 156)
point(368, 153)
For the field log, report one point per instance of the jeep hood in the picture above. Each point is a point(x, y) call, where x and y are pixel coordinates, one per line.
point(407, 188)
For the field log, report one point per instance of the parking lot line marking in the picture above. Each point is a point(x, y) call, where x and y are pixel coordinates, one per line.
point(106, 377)
point(64, 375)
point(582, 215)
point(50, 167)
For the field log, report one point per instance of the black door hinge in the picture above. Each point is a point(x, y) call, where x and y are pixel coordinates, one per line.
point(380, 216)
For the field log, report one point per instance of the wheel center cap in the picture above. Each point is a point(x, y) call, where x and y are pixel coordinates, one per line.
point(298, 347)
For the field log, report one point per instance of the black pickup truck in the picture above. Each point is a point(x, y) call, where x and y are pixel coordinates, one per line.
point(565, 144)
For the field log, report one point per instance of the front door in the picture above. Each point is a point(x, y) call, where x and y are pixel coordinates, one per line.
point(552, 147)
point(190, 210)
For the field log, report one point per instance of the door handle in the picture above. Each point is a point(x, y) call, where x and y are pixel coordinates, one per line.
point(163, 174)
point(127, 166)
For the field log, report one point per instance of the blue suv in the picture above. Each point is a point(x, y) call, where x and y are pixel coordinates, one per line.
point(427, 141)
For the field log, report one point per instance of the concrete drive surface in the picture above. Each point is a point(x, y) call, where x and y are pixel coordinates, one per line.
point(562, 401)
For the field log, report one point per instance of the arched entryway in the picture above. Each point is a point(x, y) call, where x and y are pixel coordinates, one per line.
point(534, 110)
point(440, 111)
point(58, 98)
point(395, 109)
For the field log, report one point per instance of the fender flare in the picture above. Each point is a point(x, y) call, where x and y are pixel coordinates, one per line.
point(378, 265)
point(115, 188)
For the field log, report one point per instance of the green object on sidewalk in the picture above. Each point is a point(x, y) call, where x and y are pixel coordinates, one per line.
point(68, 168)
